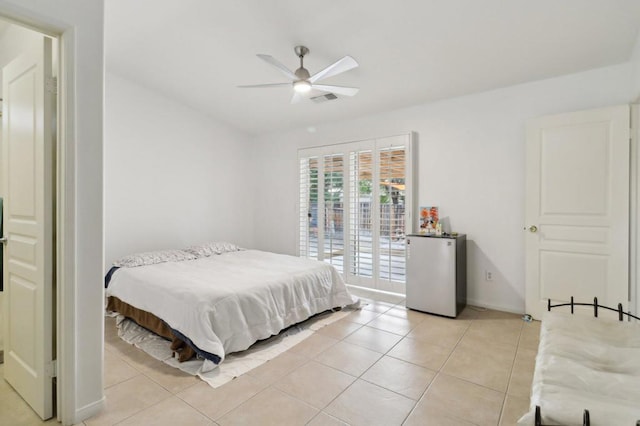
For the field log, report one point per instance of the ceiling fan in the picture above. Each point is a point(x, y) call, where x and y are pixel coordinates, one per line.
point(302, 81)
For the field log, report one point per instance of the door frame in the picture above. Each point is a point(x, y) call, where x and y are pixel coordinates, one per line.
point(634, 210)
point(65, 199)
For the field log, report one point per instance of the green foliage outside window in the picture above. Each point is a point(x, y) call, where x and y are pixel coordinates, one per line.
point(333, 188)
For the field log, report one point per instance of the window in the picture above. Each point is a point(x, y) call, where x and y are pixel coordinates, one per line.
point(333, 210)
point(355, 209)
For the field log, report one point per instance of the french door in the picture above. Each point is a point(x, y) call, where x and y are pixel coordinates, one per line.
point(355, 209)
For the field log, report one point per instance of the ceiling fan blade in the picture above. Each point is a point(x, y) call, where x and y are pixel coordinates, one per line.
point(341, 90)
point(296, 98)
point(250, 86)
point(340, 66)
point(275, 63)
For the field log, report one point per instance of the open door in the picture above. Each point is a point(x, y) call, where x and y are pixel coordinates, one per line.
point(27, 187)
point(577, 208)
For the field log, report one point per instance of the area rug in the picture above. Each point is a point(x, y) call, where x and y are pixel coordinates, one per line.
point(234, 364)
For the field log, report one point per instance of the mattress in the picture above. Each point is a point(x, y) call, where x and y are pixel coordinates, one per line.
point(586, 363)
point(225, 303)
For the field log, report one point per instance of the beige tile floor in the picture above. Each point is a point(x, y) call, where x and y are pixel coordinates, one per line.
point(384, 365)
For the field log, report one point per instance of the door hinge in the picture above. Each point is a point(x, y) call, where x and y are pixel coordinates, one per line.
point(52, 85)
point(52, 369)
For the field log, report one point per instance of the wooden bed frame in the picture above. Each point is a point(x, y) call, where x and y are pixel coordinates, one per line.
point(154, 324)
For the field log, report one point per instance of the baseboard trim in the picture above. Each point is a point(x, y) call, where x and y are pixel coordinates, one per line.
point(89, 410)
point(495, 307)
point(473, 302)
point(373, 290)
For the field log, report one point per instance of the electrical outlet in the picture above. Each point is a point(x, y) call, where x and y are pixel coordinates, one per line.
point(488, 275)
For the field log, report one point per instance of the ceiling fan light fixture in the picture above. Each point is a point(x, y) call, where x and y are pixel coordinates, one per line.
point(302, 81)
point(301, 86)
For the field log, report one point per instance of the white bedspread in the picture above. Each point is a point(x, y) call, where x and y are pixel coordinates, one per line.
point(586, 363)
point(224, 303)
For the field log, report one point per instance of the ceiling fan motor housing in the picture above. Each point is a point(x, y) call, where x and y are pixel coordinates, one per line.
point(302, 73)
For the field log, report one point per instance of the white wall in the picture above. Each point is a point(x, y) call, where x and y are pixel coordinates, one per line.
point(82, 25)
point(471, 165)
point(173, 176)
point(635, 78)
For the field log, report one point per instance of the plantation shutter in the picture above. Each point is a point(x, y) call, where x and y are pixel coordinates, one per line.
point(308, 211)
point(333, 174)
point(361, 216)
point(392, 174)
point(355, 209)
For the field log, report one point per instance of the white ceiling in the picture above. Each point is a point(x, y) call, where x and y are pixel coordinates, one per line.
point(409, 51)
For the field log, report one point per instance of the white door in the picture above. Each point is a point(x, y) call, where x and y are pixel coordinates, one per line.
point(577, 208)
point(378, 211)
point(27, 186)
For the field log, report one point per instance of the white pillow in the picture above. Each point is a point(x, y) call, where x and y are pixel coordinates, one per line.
point(209, 249)
point(153, 257)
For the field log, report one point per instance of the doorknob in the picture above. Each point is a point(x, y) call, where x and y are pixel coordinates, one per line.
point(533, 229)
point(3, 240)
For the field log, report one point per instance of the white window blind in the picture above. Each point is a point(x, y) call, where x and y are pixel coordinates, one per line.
point(308, 202)
point(355, 204)
point(333, 174)
point(392, 214)
point(360, 214)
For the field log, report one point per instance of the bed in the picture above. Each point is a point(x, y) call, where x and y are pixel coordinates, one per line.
point(216, 301)
point(587, 370)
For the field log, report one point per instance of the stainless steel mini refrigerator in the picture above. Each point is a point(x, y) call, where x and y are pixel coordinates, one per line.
point(437, 274)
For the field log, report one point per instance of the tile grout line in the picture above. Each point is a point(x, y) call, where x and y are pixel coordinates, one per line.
point(376, 315)
point(437, 374)
point(506, 393)
point(390, 349)
point(142, 409)
point(120, 356)
point(321, 410)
